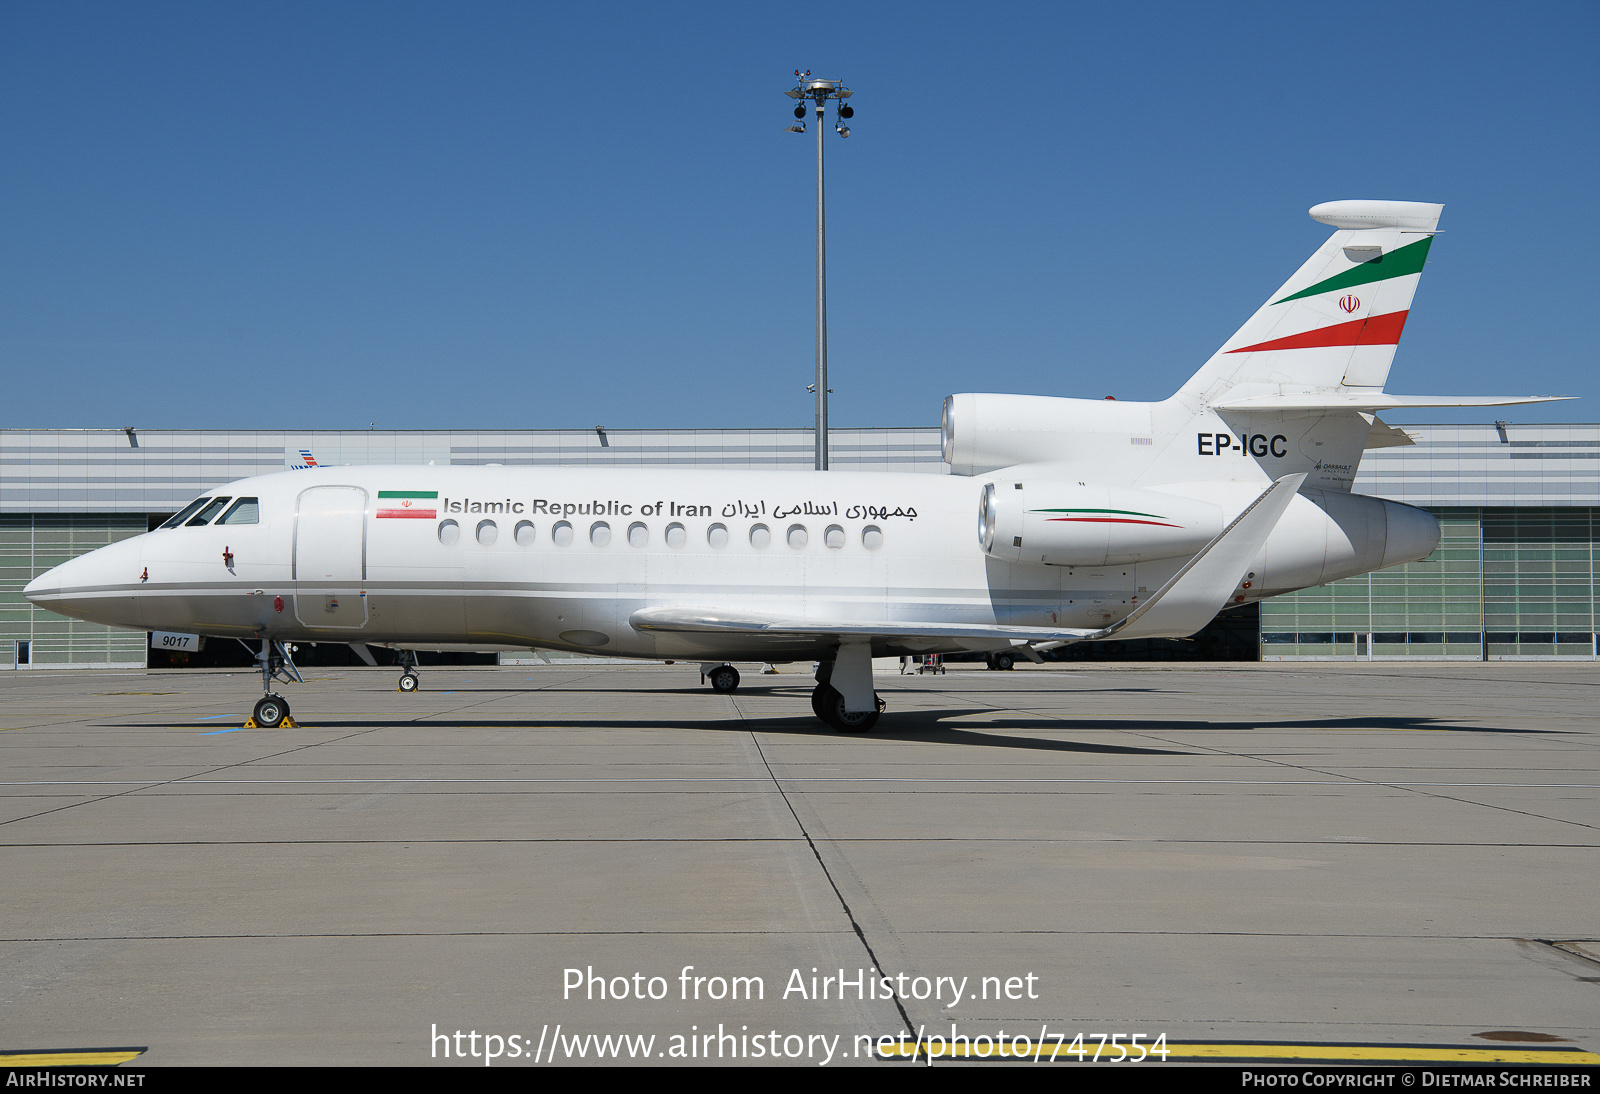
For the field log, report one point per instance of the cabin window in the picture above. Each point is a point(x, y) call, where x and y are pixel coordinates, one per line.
point(638, 535)
point(524, 533)
point(204, 516)
point(449, 532)
point(188, 511)
point(244, 511)
point(797, 536)
point(677, 536)
point(872, 537)
point(600, 533)
point(760, 537)
point(717, 536)
point(488, 532)
point(561, 534)
point(834, 537)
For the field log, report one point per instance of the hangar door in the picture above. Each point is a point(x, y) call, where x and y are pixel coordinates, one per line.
point(330, 557)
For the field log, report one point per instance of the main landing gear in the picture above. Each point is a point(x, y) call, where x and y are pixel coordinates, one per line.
point(272, 711)
point(409, 680)
point(843, 697)
point(724, 678)
point(829, 705)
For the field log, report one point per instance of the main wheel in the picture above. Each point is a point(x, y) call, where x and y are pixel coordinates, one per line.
point(724, 678)
point(270, 712)
point(1004, 661)
point(845, 721)
point(819, 696)
point(409, 681)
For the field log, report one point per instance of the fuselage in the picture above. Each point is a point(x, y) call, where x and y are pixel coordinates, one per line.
point(561, 558)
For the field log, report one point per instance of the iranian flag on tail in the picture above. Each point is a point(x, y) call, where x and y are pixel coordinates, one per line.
point(408, 504)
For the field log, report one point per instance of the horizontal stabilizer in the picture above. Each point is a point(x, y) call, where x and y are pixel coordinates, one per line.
point(1384, 435)
point(1375, 400)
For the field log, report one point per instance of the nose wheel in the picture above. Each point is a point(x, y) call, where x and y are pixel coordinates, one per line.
point(409, 681)
point(271, 712)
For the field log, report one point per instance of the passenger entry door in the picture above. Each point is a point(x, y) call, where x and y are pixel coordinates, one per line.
point(330, 557)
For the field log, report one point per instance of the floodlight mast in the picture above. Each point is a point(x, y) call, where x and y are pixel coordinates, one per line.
point(818, 92)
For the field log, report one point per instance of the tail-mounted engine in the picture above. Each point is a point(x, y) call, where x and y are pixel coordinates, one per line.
point(1066, 524)
point(985, 432)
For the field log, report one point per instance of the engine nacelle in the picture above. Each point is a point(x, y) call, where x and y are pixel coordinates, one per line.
point(1326, 535)
point(1066, 524)
point(985, 432)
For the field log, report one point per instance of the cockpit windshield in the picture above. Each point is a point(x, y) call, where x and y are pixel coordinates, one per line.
point(244, 511)
point(188, 511)
point(205, 515)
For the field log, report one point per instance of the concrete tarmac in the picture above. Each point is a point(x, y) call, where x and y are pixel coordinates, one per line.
point(1337, 854)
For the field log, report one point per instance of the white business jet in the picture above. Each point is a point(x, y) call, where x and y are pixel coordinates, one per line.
point(1064, 520)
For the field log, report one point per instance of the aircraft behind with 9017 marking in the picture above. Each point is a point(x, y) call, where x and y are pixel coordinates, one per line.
point(1064, 520)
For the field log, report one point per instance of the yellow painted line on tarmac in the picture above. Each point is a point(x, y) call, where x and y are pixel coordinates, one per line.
point(499, 714)
point(71, 1057)
point(1181, 1051)
point(1393, 1053)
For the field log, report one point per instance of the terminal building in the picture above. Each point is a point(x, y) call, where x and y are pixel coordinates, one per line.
point(1514, 576)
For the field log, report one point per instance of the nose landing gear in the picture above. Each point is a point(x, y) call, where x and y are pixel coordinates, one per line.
point(271, 711)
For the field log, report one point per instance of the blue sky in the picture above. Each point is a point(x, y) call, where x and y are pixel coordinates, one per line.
point(429, 215)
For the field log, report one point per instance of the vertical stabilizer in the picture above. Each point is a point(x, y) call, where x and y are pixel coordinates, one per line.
point(1335, 324)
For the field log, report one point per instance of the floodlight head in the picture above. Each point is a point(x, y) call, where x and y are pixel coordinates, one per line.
point(847, 111)
point(844, 130)
point(799, 111)
point(801, 128)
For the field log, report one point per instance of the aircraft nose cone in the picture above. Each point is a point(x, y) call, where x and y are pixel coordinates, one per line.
point(94, 586)
point(53, 584)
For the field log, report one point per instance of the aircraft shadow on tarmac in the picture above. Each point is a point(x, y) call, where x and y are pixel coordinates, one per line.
point(801, 692)
point(922, 726)
point(919, 726)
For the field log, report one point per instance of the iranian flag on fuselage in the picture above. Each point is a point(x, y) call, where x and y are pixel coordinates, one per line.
point(408, 504)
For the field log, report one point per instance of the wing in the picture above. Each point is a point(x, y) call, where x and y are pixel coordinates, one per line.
point(715, 622)
point(1180, 607)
